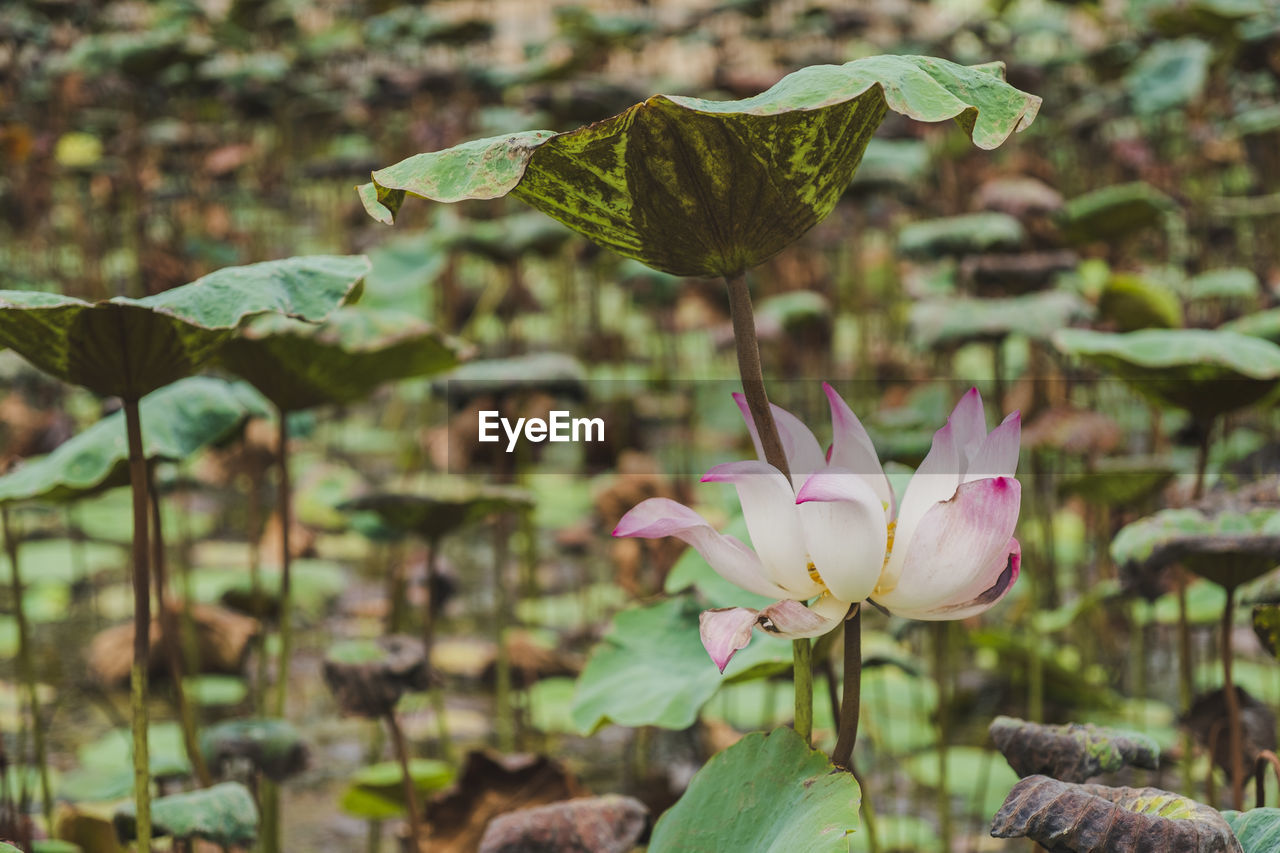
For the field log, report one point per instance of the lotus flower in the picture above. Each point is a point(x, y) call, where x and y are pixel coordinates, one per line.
point(834, 535)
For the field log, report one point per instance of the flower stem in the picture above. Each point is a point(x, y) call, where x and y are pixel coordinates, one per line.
point(141, 625)
point(1235, 737)
point(286, 581)
point(752, 375)
point(851, 704)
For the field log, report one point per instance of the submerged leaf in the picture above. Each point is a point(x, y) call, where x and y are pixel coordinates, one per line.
point(1071, 753)
point(710, 188)
point(129, 347)
point(1069, 818)
point(781, 795)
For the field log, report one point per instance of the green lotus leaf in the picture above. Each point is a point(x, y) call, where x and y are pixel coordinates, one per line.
point(129, 347)
point(1260, 324)
point(1258, 830)
point(300, 365)
point(1073, 818)
point(1266, 625)
point(1118, 482)
point(1233, 284)
point(385, 781)
point(1205, 372)
point(967, 234)
point(1113, 212)
point(1131, 302)
point(892, 163)
point(651, 669)
point(223, 814)
point(442, 507)
point(273, 747)
point(179, 420)
point(551, 372)
point(951, 322)
point(1228, 548)
point(710, 188)
point(1169, 75)
point(781, 795)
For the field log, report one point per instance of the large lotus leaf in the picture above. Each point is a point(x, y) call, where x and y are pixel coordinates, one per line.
point(1071, 753)
point(1258, 830)
point(1131, 302)
point(967, 234)
point(651, 669)
point(1232, 284)
point(444, 506)
point(1070, 818)
point(223, 814)
point(376, 792)
point(1113, 212)
point(299, 365)
point(951, 322)
point(1228, 548)
point(1260, 324)
point(178, 421)
point(711, 188)
point(768, 793)
point(130, 347)
point(1205, 372)
point(1168, 75)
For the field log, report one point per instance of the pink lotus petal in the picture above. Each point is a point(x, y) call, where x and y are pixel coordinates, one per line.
point(1005, 572)
point(997, 456)
point(952, 553)
point(852, 449)
point(969, 422)
point(732, 560)
point(793, 620)
point(768, 506)
point(845, 532)
point(933, 482)
point(804, 454)
point(724, 631)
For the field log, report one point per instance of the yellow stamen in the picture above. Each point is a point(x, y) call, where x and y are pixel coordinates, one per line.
point(888, 550)
point(813, 574)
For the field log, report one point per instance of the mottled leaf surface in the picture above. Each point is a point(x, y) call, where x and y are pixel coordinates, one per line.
point(299, 365)
point(1071, 753)
point(768, 793)
point(1258, 830)
point(177, 421)
point(1068, 818)
point(224, 814)
point(697, 187)
point(651, 669)
point(1206, 372)
point(130, 347)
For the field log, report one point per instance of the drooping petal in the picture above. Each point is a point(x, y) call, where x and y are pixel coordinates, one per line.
point(804, 454)
point(954, 548)
point(968, 422)
point(935, 480)
point(1005, 572)
point(732, 560)
point(844, 531)
point(851, 449)
point(768, 507)
point(998, 454)
point(725, 630)
point(793, 620)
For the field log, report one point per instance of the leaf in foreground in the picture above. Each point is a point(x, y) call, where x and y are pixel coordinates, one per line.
point(782, 795)
point(129, 347)
point(1069, 818)
point(710, 188)
point(1071, 753)
point(1258, 830)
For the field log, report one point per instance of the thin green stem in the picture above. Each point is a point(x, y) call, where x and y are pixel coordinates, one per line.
point(26, 667)
point(851, 703)
point(1186, 685)
point(141, 624)
point(941, 653)
point(752, 374)
point(286, 583)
